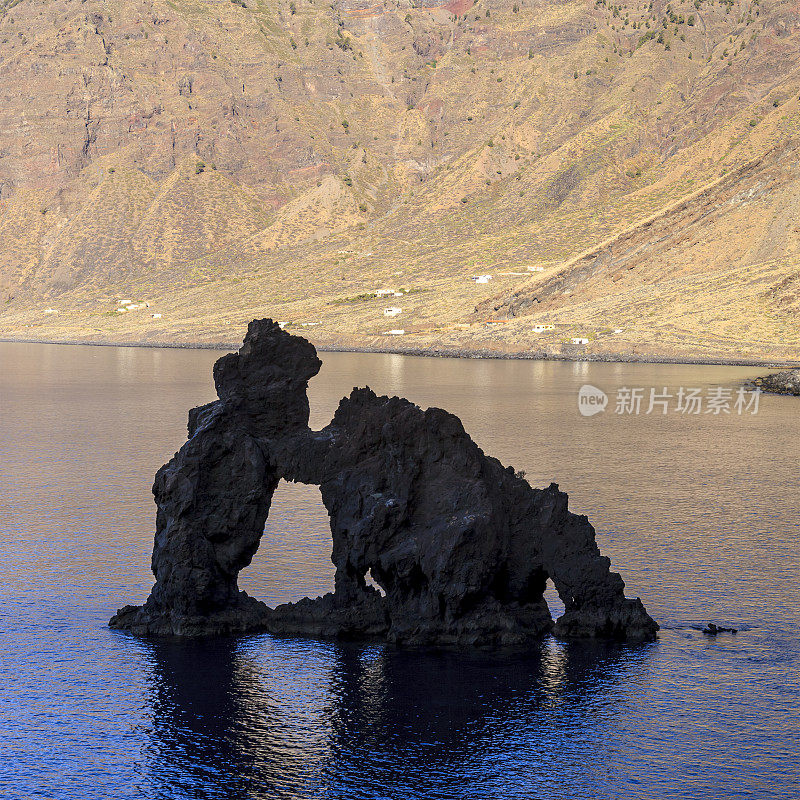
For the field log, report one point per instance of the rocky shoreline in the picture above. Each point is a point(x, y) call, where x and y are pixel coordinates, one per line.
point(787, 382)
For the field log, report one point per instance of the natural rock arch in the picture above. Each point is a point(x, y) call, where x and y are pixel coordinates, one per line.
point(461, 546)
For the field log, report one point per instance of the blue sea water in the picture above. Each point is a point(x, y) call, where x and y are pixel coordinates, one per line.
point(699, 514)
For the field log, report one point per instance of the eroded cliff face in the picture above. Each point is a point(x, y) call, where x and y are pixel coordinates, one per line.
point(461, 546)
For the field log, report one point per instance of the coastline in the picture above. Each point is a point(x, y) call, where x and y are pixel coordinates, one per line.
point(440, 352)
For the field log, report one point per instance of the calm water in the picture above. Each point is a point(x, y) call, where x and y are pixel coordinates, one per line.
point(700, 515)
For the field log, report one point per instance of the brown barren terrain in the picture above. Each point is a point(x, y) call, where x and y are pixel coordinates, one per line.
point(213, 161)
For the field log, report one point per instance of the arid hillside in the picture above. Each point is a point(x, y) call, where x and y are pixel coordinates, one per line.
point(627, 174)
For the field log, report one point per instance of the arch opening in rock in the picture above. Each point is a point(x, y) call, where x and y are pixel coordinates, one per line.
point(554, 602)
point(461, 546)
point(293, 559)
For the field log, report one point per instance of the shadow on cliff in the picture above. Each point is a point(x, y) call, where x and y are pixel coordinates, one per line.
point(285, 717)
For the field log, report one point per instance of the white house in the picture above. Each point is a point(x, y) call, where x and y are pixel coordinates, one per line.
point(535, 269)
point(156, 316)
point(386, 293)
point(392, 311)
point(580, 340)
point(50, 311)
point(395, 333)
point(481, 278)
point(542, 328)
point(617, 330)
point(124, 302)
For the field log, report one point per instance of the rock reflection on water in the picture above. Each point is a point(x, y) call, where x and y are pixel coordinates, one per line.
point(289, 718)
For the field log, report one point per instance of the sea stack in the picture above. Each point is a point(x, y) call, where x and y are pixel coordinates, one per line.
point(461, 546)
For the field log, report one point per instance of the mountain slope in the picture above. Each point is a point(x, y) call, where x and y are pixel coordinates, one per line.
point(288, 158)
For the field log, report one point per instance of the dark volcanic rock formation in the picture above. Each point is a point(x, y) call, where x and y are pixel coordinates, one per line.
point(779, 383)
point(461, 546)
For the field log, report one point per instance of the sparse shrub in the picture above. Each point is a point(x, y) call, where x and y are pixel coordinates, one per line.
point(647, 36)
point(199, 167)
point(341, 41)
point(362, 207)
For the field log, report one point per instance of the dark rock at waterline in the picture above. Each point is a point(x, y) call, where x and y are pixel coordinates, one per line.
point(712, 630)
point(787, 382)
point(460, 545)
